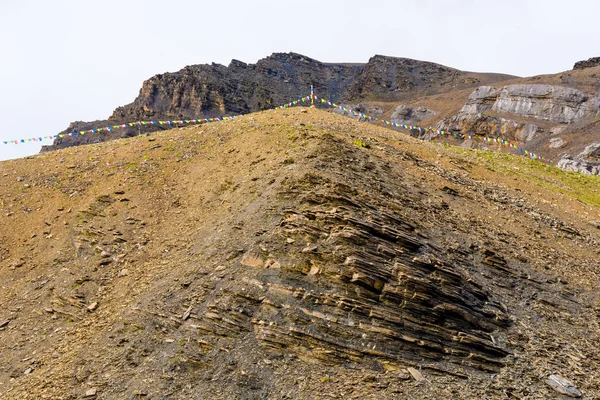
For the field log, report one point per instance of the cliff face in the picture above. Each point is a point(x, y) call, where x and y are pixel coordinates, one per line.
point(536, 115)
point(201, 91)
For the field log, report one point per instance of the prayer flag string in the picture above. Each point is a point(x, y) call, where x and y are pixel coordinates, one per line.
point(438, 132)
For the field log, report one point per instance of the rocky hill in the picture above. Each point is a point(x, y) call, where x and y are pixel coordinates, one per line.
point(201, 91)
point(296, 254)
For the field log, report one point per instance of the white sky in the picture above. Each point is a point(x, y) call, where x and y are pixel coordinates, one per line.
point(67, 60)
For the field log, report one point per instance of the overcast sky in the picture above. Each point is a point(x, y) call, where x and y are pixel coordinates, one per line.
point(68, 60)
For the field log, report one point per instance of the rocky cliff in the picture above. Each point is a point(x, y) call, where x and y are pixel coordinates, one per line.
point(536, 115)
point(201, 91)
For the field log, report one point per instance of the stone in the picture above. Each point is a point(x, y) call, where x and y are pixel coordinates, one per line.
point(527, 133)
point(416, 374)
point(587, 162)
point(104, 262)
point(274, 264)
point(250, 260)
point(220, 268)
point(371, 111)
point(4, 323)
point(482, 99)
point(552, 103)
point(187, 313)
point(28, 371)
point(563, 386)
point(556, 143)
point(92, 307)
point(124, 272)
point(91, 392)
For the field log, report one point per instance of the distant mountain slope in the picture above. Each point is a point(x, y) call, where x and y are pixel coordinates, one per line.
point(201, 91)
point(554, 115)
point(295, 254)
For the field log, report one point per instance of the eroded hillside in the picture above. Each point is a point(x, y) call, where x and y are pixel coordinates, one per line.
point(295, 254)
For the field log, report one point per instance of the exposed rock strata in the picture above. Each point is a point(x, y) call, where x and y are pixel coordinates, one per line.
point(382, 290)
point(557, 104)
point(488, 110)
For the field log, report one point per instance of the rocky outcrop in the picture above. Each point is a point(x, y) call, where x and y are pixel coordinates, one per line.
point(556, 104)
point(487, 112)
point(552, 103)
point(214, 90)
point(485, 125)
point(387, 292)
point(589, 63)
point(411, 115)
point(352, 110)
point(586, 162)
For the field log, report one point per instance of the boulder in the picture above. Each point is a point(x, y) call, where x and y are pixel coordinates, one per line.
point(411, 115)
point(552, 103)
point(586, 162)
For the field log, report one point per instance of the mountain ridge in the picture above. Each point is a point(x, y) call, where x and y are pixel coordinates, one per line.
point(212, 90)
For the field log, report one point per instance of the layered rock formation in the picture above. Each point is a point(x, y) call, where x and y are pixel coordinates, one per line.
point(561, 105)
point(510, 112)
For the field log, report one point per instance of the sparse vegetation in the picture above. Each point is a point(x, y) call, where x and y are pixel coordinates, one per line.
point(360, 143)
